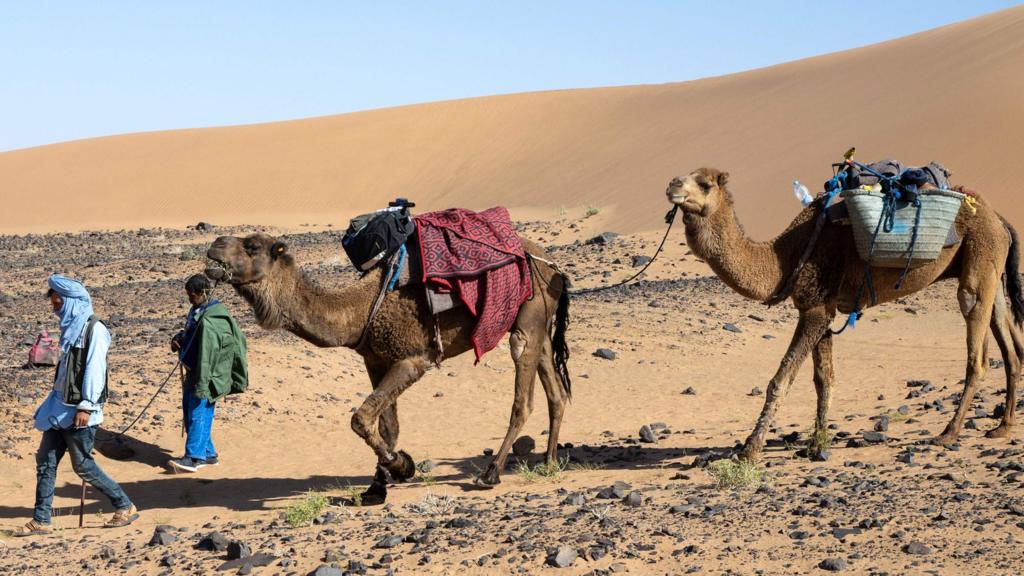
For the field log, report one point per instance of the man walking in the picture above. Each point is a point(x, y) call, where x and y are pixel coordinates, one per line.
point(212, 349)
point(74, 408)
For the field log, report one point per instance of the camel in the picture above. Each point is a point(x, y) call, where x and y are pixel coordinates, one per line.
point(399, 344)
point(829, 282)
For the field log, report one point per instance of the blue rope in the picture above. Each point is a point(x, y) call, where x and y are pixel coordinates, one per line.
point(397, 270)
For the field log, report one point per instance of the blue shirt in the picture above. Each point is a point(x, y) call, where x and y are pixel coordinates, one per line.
point(53, 412)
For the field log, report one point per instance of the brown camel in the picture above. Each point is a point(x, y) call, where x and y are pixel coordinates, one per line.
point(399, 347)
point(829, 282)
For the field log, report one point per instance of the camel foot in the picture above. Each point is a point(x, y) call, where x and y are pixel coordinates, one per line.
point(748, 455)
point(489, 479)
point(402, 468)
point(1001, 431)
point(945, 439)
point(375, 495)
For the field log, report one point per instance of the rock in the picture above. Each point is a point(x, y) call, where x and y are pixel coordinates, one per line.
point(647, 435)
point(258, 559)
point(882, 424)
point(756, 391)
point(820, 456)
point(389, 542)
point(873, 437)
point(162, 537)
point(639, 261)
point(205, 227)
point(213, 542)
point(616, 491)
point(523, 447)
point(918, 548)
point(634, 499)
point(238, 550)
point(833, 564)
point(426, 466)
point(730, 327)
point(841, 533)
point(602, 238)
point(605, 353)
point(575, 499)
point(689, 391)
point(325, 570)
point(563, 557)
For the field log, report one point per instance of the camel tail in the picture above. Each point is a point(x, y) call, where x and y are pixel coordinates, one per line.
point(1013, 284)
point(560, 347)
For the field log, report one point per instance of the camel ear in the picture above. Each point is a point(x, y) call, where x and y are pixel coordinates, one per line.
point(723, 179)
point(277, 249)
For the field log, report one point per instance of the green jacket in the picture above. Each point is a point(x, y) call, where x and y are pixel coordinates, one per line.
point(220, 367)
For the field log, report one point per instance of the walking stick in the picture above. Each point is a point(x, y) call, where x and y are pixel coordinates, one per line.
point(81, 507)
point(181, 369)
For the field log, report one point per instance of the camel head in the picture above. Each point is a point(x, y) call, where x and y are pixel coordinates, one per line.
point(242, 261)
point(700, 192)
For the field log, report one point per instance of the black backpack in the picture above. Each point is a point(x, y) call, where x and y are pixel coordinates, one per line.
point(373, 238)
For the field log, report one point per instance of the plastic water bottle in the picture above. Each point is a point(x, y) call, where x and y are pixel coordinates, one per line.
point(801, 193)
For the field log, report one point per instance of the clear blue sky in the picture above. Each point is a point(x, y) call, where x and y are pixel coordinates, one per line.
point(73, 70)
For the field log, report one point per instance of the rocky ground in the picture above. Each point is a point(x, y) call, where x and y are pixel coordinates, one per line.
point(668, 374)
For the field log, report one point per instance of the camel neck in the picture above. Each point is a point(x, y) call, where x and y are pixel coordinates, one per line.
point(754, 269)
point(326, 318)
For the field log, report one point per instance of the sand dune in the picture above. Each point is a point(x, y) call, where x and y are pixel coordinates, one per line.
point(953, 94)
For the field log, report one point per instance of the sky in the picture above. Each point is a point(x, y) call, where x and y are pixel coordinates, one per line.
point(71, 70)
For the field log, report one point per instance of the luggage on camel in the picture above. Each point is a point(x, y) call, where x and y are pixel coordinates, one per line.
point(45, 352)
point(901, 217)
point(373, 238)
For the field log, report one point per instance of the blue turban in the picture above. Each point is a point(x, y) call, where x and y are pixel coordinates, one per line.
point(75, 312)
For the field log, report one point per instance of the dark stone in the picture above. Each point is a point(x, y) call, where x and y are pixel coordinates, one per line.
point(634, 499)
point(833, 564)
point(616, 491)
point(259, 559)
point(730, 327)
point(204, 227)
point(756, 391)
point(161, 538)
point(563, 557)
point(841, 533)
point(523, 447)
point(602, 238)
point(689, 391)
point(213, 542)
point(918, 548)
point(238, 550)
point(882, 424)
point(389, 542)
point(639, 261)
point(605, 353)
point(873, 437)
point(647, 435)
point(325, 570)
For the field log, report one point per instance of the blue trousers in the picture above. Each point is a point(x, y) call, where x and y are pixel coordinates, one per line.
point(198, 424)
point(79, 442)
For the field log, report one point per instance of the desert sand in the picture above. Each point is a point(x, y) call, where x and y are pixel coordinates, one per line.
point(572, 164)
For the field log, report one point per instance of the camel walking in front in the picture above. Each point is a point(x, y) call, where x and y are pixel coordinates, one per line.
point(829, 283)
point(399, 346)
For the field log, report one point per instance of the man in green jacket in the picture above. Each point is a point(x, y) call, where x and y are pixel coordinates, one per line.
point(212, 350)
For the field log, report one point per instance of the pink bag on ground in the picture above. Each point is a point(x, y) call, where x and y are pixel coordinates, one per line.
point(45, 352)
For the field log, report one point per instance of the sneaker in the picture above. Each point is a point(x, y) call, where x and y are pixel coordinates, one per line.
point(123, 517)
point(187, 464)
point(212, 461)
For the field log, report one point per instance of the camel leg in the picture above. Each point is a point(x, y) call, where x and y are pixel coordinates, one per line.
point(557, 397)
point(388, 427)
point(809, 330)
point(366, 423)
point(976, 303)
point(525, 354)
point(824, 379)
point(1001, 328)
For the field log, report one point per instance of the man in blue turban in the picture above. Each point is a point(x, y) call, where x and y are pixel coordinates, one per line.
point(74, 408)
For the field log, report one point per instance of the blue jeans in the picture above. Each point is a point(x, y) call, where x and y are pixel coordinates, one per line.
point(198, 424)
point(79, 442)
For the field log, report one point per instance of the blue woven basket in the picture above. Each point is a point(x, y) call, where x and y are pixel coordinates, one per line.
point(892, 249)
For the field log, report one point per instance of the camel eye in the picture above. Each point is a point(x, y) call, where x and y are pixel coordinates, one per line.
point(251, 248)
point(705, 186)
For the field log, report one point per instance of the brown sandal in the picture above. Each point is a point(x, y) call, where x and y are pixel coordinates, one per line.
point(33, 528)
point(123, 517)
